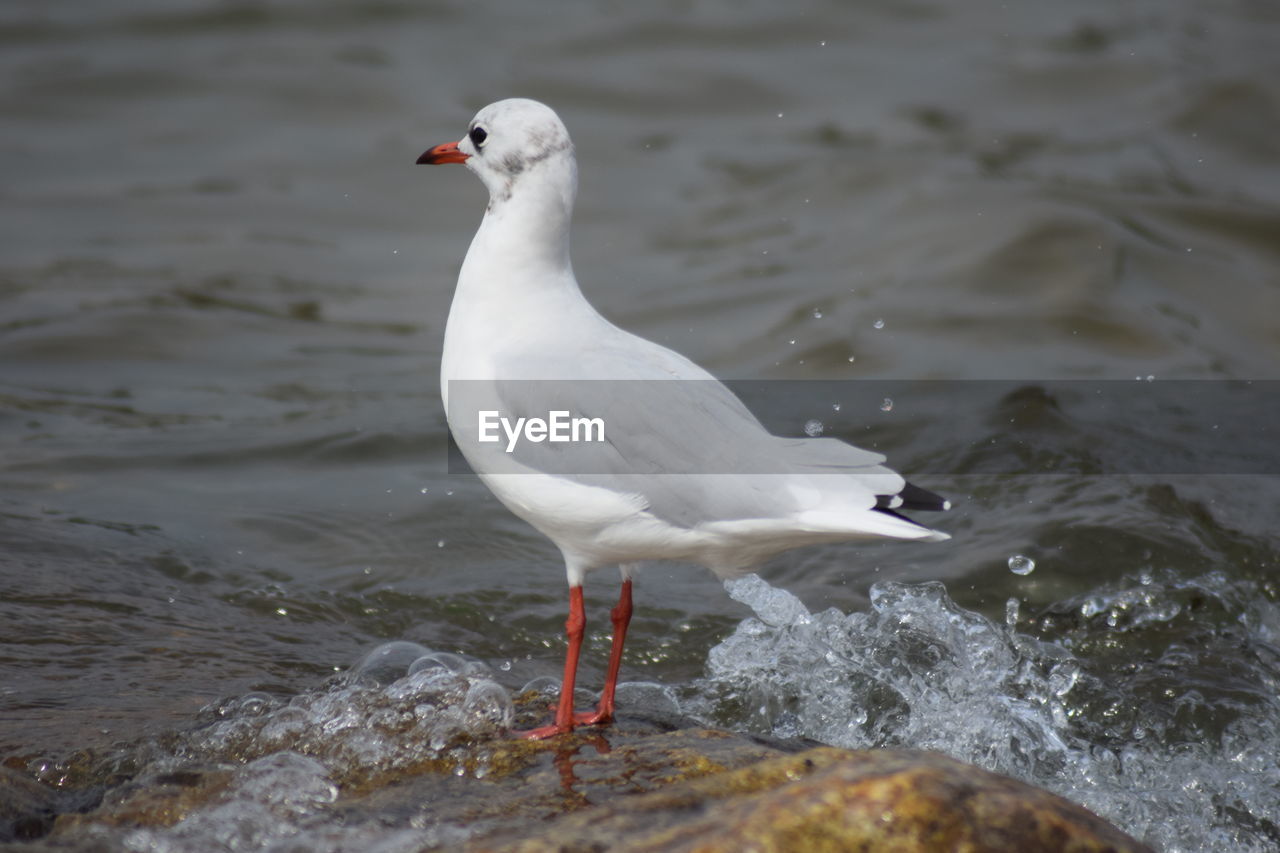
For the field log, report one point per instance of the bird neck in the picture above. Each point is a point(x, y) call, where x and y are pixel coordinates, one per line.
point(526, 225)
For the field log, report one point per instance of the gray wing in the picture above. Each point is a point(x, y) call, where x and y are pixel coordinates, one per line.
point(729, 465)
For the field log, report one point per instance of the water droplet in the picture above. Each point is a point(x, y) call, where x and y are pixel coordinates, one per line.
point(1021, 565)
point(887, 405)
point(822, 44)
point(878, 324)
point(425, 489)
point(817, 313)
point(440, 543)
point(835, 407)
point(1151, 377)
point(780, 116)
point(792, 342)
point(1064, 677)
point(852, 359)
point(1012, 609)
point(813, 428)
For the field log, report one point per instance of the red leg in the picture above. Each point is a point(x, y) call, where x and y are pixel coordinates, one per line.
point(574, 628)
point(621, 616)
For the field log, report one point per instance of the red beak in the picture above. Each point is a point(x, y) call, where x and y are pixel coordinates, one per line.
point(446, 153)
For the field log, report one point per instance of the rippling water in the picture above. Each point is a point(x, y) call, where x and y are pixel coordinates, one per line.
point(223, 287)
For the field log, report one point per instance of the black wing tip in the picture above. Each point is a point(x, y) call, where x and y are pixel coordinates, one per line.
point(912, 498)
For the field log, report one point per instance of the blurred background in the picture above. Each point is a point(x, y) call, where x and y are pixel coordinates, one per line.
point(223, 288)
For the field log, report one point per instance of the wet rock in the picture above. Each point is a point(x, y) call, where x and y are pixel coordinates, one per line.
point(526, 784)
point(154, 799)
point(644, 784)
point(27, 808)
point(831, 799)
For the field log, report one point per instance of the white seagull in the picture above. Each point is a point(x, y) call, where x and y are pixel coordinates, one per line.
point(685, 471)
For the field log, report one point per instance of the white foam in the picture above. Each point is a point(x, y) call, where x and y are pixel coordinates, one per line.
point(401, 704)
point(919, 671)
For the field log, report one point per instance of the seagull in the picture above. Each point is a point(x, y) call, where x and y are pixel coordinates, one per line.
point(684, 471)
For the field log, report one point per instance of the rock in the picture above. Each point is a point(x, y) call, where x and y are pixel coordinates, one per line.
point(531, 783)
point(644, 784)
point(27, 808)
point(829, 799)
point(156, 799)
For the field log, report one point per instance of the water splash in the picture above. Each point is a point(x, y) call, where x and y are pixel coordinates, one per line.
point(260, 808)
point(375, 719)
point(284, 760)
point(919, 671)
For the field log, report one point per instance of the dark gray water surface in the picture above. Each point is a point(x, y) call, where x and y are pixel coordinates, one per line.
point(223, 286)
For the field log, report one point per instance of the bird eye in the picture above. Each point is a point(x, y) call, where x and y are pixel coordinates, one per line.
point(478, 136)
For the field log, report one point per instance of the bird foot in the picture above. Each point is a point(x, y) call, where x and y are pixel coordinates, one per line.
point(543, 732)
point(598, 717)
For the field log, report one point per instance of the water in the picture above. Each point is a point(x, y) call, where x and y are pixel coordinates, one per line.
point(1156, 747)
point(223, 286)
point(278, 766)
point(1159, 749)
point(1021, 564)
